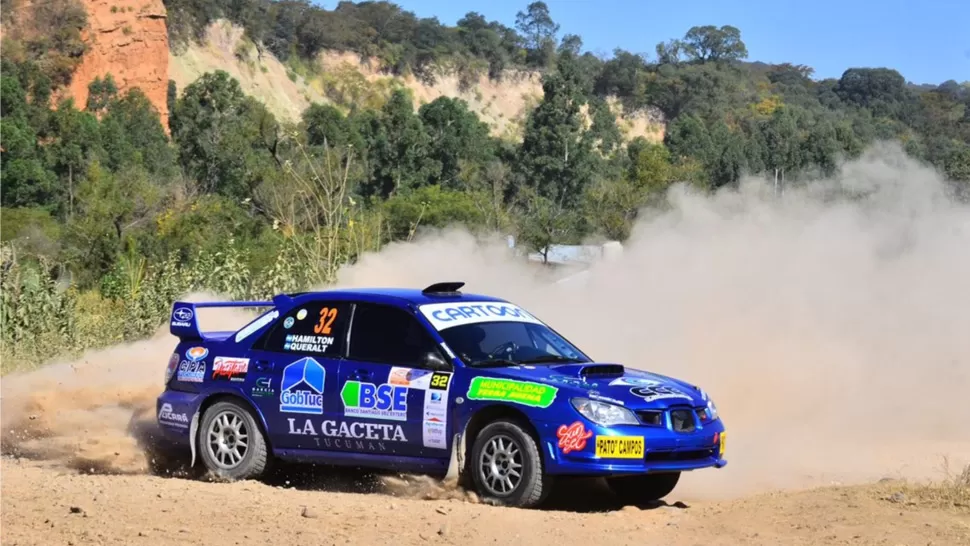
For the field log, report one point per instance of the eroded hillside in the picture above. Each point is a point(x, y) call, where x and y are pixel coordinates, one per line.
point(345, 78)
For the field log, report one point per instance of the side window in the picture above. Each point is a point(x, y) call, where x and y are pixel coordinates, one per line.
point(389, 335)
point(316, 328)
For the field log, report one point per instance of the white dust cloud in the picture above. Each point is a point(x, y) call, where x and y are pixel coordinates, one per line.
point(833, 332)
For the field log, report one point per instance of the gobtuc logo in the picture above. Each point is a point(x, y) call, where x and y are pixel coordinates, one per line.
point(573, 437)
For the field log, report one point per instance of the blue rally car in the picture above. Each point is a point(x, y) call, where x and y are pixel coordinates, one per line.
point(433, 381)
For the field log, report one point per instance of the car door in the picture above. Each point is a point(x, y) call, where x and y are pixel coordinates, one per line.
point(296, 367)
point(388, 387)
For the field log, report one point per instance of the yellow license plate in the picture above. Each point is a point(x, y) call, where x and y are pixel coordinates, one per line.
point(723, 437)
point(619, 447)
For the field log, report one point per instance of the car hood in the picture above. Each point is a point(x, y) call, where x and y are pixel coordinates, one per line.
point(635, 389)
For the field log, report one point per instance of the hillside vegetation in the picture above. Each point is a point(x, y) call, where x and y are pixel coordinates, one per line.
point(105, 212)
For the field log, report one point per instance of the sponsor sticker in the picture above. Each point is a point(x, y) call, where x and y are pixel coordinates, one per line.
point(573, 437)
point(263, 388)
point(301, 389)
point(233, 369)
point(571, 381)
point(435, 420)
point(167, 416)
point(619, 447)
point(597, 396)
point(196, 354)
point(658, 392)
point(526, 393)
point(256, 325)
point(409, 377)
point(633, 382)
point(357, 436)
point(288, 323)
point(301, 314)
point(191, 372)
point(372, 401)
point(307, 343)
point(447, 315)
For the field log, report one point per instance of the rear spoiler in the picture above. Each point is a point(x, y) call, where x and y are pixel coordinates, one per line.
point(184, 322)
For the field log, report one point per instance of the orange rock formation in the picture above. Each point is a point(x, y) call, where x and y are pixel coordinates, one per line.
point(128, 40)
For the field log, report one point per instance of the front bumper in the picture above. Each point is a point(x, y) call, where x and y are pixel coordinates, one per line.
point(662, 449)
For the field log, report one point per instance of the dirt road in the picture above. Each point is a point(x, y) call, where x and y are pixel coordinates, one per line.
point(51, 506)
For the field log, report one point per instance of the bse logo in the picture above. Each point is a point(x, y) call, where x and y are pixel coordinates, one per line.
point(301, 390)
point(375, 401)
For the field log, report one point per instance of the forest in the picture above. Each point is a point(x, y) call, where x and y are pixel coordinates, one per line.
point(106, 217)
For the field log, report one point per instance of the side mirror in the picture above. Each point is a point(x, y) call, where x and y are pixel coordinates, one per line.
point(433, 361)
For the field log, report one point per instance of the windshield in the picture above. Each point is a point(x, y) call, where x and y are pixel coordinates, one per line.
point(499, 334)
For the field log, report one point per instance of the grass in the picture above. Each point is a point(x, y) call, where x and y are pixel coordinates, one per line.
point(953, 491)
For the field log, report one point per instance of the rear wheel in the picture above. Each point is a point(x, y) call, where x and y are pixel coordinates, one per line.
point(231, 442)
point(644, 488)
point(506, 466)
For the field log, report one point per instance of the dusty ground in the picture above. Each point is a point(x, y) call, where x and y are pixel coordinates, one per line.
point(50, 506)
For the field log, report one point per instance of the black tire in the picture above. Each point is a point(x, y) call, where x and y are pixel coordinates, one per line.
point(497, 483)
point(645, 488)
point(231, 443)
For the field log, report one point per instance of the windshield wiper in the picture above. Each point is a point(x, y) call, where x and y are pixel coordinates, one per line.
point(493, 363)
point(549, 358)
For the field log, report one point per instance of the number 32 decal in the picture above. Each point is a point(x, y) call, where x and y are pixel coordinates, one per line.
point(327, 316)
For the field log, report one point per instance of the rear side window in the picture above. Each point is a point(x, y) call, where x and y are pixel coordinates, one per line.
point(316, 328)
point(388, 335)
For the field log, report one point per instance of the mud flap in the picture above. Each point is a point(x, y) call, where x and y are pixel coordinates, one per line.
point(193, 428)
point(457, 463)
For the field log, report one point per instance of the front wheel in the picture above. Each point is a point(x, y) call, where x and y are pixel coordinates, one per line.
point(506, 466)
point(231, 442)
point(644, 488)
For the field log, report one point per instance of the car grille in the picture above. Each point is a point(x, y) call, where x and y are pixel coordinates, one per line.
point(682, 420)
point(651, 417)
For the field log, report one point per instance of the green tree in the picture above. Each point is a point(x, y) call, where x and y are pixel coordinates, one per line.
point(101, 92)
point(75, 141)
point(704, 44)
point(536, 24)
point(132, 134)
point(325, 124)
point(398, 149)
point(227, 141)
point(24, 175)
point(456, 135)
point(555, 159)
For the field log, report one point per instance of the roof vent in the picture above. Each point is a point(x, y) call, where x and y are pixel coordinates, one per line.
point(443, 289)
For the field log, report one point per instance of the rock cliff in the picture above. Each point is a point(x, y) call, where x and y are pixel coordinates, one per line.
point(128, 40)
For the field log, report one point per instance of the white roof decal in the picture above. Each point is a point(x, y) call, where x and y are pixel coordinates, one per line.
point(447, 315)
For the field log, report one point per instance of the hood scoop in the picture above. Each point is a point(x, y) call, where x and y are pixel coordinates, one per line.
point(602, 370)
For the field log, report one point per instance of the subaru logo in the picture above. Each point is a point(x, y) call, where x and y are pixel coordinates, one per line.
point(183, 314)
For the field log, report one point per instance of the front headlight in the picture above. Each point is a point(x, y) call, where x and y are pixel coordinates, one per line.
point(711, 409)
point(603, 413)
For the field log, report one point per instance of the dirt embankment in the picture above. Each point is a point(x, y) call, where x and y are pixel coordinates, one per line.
point(129, 41)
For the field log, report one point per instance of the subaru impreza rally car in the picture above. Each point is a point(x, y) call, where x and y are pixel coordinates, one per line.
point(433, 381)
